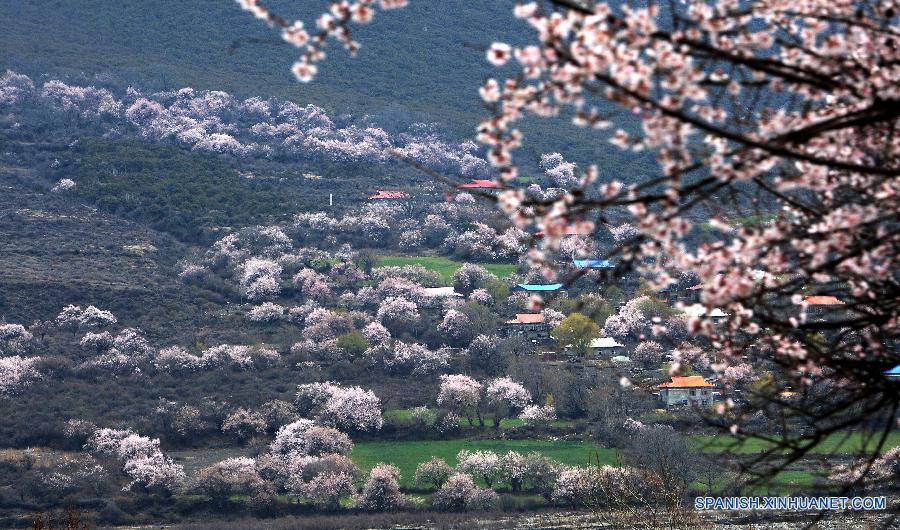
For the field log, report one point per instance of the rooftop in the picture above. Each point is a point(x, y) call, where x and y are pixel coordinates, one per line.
point(439, 292)
point(389, 194)
point(690, 381)
point(527, 318)
point(539, 287)
point(822, 300)
point(594, 263)
point(477, 183)
point(699, 310)
point(606, 342)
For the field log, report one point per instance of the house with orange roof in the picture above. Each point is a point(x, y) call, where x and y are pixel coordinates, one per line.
point(532, 326)
point(686, 391)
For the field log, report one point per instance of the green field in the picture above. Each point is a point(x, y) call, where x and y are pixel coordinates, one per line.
point(443, 266)
point(844, 443)
point(408, 455)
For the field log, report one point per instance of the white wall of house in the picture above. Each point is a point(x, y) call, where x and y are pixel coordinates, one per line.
point(677, 397)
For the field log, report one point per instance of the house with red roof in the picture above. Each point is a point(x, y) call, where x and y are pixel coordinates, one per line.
point(822, 300)
point(532, 326)
point(381, 195)
point(479, 184)
point(822, 307)
point(686, 391)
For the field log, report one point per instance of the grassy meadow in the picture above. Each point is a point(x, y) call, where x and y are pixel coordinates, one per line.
point(444, 266)
point(407, 455)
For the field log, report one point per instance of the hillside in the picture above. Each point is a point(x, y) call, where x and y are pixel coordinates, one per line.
point(83, 256)
point(421, 63)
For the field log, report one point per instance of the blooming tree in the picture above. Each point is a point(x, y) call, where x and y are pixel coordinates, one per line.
point(460, 493)
point(433, 473)
point(483, 464)
point(536, 415)
point(470, 277)
point(233, 476)
point(381, 492)
point(17, 372)
point(350, 409)
point(14, 339)
point(629, 322)
point(291, 438)
point(142, 460)
point(260, 279)
point(504, 397)
point(399, 315)
point(265, 313)
point(244, 423)
point(327, 489)
point(73, 318)
point(461, 394)
point(456, 328)
point(648, 353)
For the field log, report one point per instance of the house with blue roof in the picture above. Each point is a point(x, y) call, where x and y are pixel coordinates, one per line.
point(593, 263)
point(536, 287)
point(893, 373)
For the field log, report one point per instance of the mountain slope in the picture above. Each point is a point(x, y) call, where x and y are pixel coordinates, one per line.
point(420, 63)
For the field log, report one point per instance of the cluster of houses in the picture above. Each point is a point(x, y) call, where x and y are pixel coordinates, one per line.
point(685, 391)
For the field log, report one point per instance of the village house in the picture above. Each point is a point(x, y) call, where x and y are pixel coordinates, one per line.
point(387, 195)
point(893, 373)
point(699, 311)
point(440, 292)
point(686, 391)
point(822, 307)
point(481, 186)
point(538, 287)
point(606, 347)
point(531, 326)
point(604, 267)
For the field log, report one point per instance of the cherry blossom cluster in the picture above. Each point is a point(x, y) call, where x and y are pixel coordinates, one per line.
point(179, 360)
point(459, 493)
point(14, 339)
point(381, 491)
point(244, 423)
point(304, 437)
point(63, 185)
point(415, 359)
point(141, 457)
point(630, 322)
point(232, 476)
point(217, 122)
point(73, 318)
point(467, 397)
point(351, 409)
point(536, 415)
point(17, 372)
